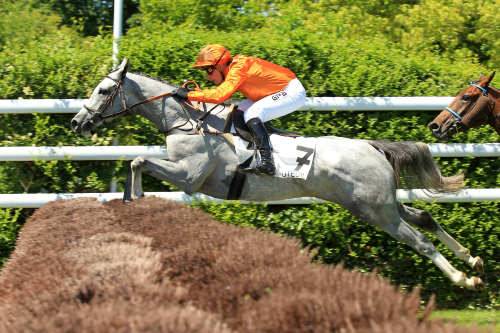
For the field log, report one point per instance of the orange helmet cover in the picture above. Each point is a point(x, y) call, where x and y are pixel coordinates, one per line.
point(211, 55)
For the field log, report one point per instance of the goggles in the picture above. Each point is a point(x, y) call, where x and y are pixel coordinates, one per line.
point(209, 69)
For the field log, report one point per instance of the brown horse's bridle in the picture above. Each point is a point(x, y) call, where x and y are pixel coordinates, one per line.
point(457, 117)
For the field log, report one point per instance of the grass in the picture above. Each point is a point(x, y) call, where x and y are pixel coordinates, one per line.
point(482, 318)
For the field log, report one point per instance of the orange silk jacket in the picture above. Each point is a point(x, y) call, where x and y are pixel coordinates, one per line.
point(253, 77)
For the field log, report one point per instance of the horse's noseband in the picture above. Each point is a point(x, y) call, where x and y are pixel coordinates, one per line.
point(456, 116)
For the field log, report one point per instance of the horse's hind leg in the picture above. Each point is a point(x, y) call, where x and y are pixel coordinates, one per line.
point(388, 218)
point(425, 221)
point(405, 233)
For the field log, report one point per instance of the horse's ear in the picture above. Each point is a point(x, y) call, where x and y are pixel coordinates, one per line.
point(119, 72)
point(124, 67)
point(490, 78)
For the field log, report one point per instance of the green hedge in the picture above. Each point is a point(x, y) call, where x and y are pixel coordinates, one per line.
point(337, 237)
point(336, 48)
point(8, 231)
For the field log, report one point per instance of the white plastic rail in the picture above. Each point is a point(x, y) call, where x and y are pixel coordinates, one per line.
point(36, 200)
point(424, 103)
point(94, 153)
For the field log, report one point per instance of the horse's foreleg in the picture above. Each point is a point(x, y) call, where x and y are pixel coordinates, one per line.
point(137, 166)
point(127, 193)
point(185, 174)
point(136, 178)
point(133, 184)
point(424, 220)
point(181, 174)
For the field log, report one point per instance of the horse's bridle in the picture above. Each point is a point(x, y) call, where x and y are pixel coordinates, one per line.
point(128, 109)
point(124, 109)
point(458, 119)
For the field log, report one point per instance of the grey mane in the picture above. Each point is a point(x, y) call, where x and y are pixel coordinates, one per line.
point(154, 78)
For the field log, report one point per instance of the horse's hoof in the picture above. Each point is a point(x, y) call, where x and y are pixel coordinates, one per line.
point(478, 265)
point(474, 283)
point(478, 283)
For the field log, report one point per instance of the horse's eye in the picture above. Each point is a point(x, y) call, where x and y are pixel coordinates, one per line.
point(103, 91)
point(466, 97)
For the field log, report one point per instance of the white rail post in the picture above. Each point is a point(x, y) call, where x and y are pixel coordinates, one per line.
point(117, 33)
point(117, 29)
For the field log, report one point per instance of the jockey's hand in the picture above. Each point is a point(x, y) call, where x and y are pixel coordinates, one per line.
point(181, 93)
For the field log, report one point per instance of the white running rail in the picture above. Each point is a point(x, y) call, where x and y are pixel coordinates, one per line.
point(424, 103)
point(82, 153)
point(95, 153)
point(36, 200)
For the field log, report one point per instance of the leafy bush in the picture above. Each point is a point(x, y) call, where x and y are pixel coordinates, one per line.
point(338, 237)
point(8, 231)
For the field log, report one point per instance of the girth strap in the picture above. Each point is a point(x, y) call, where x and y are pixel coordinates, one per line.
point(236, 186)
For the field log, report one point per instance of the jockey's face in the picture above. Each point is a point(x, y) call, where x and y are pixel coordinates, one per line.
point(216, 75)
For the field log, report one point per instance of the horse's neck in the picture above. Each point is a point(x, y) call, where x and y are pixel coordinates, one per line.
point(495, 94)
point(216, 118)
point(167, 114)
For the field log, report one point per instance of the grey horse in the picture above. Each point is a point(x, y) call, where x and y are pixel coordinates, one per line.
point(360, 175)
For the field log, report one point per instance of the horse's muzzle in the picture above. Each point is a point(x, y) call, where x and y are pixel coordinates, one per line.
point(436, 131)
point(75, 125)
point(83, 127)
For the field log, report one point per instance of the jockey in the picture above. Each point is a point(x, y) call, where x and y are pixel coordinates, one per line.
point(272, 91)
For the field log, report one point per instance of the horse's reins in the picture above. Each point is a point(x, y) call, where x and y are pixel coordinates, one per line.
point(128, 109)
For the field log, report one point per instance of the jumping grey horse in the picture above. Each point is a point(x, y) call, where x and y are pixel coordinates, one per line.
point(360, 175)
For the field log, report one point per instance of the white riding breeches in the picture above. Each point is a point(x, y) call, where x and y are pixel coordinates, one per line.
point(276, 105)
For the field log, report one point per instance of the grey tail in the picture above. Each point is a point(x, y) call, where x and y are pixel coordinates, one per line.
point(413, 162)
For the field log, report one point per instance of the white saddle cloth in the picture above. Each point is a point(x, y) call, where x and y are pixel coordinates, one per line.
point(293, 157)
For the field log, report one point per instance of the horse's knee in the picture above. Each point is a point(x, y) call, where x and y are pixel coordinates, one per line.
point(412, 237)
point(421, 243)
point(426, 248)
point(137, 162)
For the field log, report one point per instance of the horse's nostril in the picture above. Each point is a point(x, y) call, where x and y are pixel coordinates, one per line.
point(74, 124)
point(433, 126)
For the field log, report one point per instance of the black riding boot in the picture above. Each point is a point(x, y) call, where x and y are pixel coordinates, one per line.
point(261, 139)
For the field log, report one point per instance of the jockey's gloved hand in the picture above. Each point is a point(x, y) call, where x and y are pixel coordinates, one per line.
point(181, 93)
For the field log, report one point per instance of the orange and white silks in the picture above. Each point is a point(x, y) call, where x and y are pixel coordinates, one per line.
point(255, 78)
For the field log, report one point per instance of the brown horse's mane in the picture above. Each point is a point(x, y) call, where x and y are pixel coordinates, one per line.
point(496, 90)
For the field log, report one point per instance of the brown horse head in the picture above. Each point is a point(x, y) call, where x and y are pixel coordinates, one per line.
point(474, 106)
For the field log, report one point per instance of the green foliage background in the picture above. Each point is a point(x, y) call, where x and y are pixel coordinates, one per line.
point(53, 49)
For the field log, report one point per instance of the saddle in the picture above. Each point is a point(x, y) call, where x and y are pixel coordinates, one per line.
point(292, 153)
